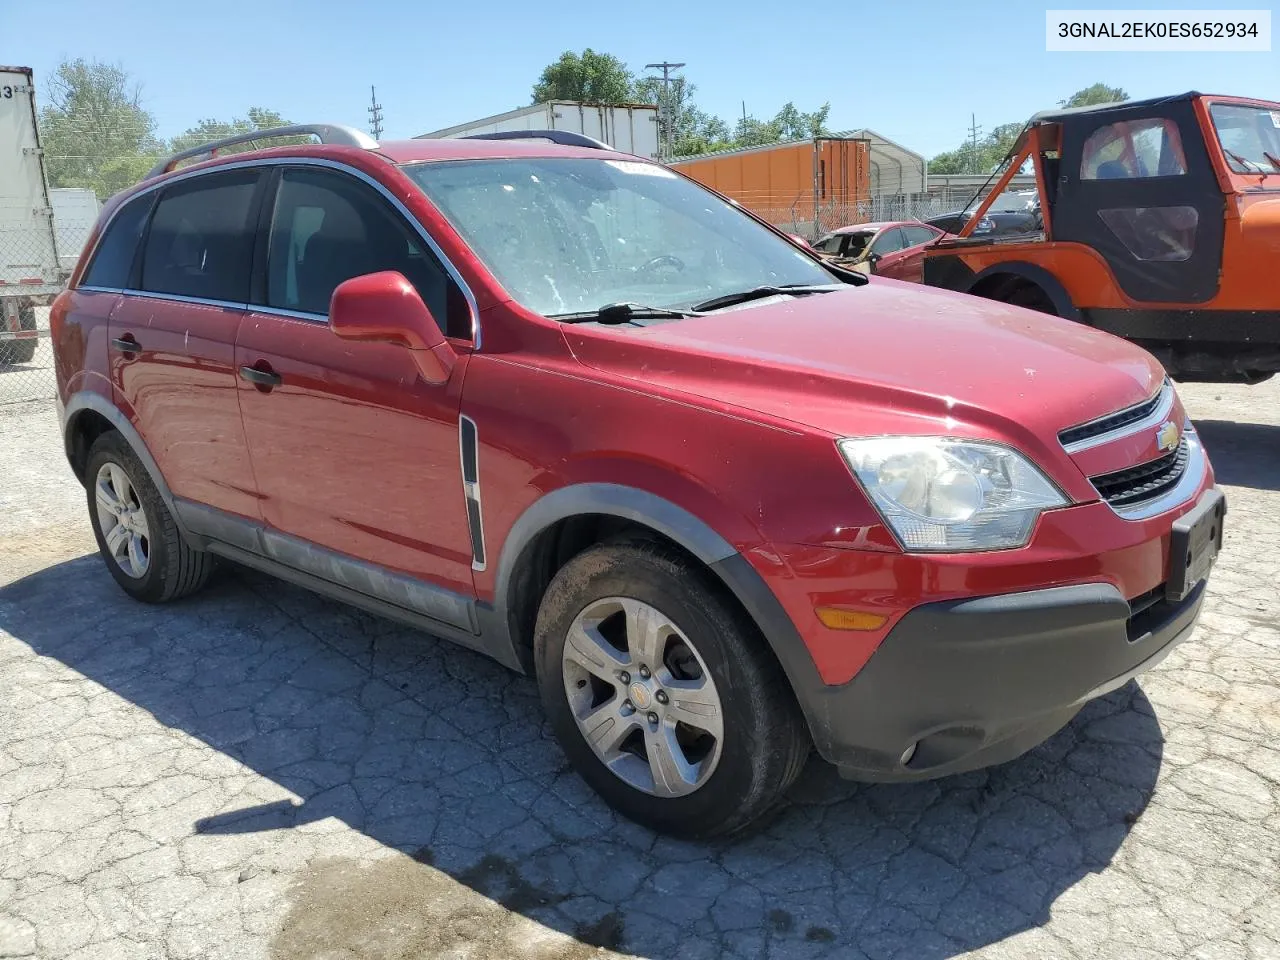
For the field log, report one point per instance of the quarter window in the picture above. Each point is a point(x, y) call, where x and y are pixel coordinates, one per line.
point(1133, 150)
point(112, 264)
point(329, 227)
point(890, 241)
point(916, 235)
point(201, 240)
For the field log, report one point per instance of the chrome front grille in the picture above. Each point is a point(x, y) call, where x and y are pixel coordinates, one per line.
point(1150, 412)
point(1146, 481)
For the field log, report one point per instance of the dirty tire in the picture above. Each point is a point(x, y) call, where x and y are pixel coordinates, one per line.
point(20, 351)
point(765, 741)
point(174, 569)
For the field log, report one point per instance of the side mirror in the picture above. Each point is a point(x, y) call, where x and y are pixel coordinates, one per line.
point(385, 307)
point(872, 260)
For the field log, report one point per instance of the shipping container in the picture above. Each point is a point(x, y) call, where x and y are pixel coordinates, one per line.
point(29, 271)
point(629, 127)
point(805, 185)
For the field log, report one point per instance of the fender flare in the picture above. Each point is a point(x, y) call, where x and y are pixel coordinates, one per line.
point(88, 400)
point(1038, 275)
point(725, 562)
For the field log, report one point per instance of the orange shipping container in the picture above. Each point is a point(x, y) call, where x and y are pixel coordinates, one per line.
point(792, 182)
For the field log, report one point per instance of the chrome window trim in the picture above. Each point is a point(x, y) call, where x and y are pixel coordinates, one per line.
point(1181, 492)
point(1154, 419)
point(452, 270)
point(182, 298)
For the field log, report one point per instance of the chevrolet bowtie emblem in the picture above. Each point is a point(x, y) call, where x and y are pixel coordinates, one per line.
point(1167, 436)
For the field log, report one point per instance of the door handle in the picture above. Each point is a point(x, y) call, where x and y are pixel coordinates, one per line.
point(126, 344)
point(261, 378)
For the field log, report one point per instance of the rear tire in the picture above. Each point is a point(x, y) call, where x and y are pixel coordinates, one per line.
point(139, 541)
point(1029, 297)
point(705, 646)
point(20, 351)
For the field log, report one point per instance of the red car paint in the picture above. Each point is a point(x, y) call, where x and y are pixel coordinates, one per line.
point(732, 417)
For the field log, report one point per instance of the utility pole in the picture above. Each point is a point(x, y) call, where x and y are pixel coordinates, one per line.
point(974, 132)
point(375, 115)
point(668, 122)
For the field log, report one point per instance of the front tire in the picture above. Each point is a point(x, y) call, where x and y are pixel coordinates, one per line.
point(662, 692)
point(139, 541)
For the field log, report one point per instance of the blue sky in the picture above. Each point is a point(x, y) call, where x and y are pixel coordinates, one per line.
point(913, 71)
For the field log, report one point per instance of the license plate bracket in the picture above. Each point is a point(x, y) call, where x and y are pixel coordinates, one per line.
point(1194, 544)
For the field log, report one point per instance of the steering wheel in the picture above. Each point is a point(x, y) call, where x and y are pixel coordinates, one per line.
point(666, 260)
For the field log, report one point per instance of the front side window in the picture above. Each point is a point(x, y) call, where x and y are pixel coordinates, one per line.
point(1250, 136)
point(328, 227)
point(200, 243)
point(1155, 233)
point(855, 244)
point(568, 235)
point(1133, 150)
point(112, 264)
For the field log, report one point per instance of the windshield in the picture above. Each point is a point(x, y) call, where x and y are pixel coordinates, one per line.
point(567, 235)
point(1250, 136)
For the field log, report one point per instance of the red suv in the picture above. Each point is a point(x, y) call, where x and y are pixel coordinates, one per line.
point(578, 413)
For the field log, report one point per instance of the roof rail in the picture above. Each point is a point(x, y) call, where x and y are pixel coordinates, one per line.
point(334, 133)
point(565, 138)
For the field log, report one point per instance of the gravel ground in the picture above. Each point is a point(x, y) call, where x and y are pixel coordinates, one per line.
point(260, 773)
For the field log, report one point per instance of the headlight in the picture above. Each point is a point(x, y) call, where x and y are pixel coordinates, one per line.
point(948, 496)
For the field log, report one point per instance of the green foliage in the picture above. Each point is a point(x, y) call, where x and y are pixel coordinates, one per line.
point(693, 130)
point(258, 118)
point(593, 77)
point(94, 129)
point(1094, 95)
point(992, 148)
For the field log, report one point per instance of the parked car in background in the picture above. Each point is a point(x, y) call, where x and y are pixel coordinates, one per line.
point(572, 410)
point(888, 249)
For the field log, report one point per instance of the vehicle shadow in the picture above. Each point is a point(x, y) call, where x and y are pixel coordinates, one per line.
point(441, 754)
point(1243, 454)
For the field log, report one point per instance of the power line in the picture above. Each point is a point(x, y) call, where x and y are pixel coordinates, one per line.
point(665, 111)
point(375, 115)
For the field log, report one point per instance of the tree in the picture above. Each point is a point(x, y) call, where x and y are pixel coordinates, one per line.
point(592, 77)
point(1096, 94)
point(258, 118)
point(995, 146)
point(693, 131)
point(94, 129)
point(793, 124)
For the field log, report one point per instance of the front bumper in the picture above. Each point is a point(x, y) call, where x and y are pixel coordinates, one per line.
point(964, 684)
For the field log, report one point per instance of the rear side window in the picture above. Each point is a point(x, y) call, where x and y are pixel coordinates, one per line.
point(918, 235)
point(113, 262)
point(1133, 150)
point(201, 240)
point(890, 241)
point(329, 227)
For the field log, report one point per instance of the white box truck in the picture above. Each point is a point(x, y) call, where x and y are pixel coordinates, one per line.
point(628, 127)
point(29, 272)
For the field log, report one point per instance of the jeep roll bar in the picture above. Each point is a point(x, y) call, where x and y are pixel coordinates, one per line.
point(334, 133)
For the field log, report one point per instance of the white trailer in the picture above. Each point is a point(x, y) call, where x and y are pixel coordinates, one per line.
point(629, 127)
point(29, 272)
point(75, 211)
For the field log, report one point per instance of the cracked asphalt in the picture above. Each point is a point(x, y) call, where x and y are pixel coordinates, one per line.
point(260, 773)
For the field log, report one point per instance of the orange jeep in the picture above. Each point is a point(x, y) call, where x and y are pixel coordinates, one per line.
point(1161, 224)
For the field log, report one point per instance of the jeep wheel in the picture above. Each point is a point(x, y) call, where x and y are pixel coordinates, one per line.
point(20, 351)
point(662, 692)
point(135, 531)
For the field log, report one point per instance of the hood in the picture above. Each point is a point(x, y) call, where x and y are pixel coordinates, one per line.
point(883, 358)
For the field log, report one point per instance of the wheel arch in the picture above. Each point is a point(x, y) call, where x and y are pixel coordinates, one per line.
point(86, 417)
point(563, 523)
point(1030, 273)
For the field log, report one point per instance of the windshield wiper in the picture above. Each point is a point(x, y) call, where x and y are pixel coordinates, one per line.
point(759, 293)
point(621, 313)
